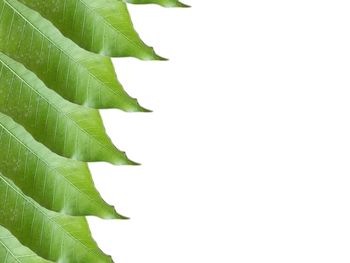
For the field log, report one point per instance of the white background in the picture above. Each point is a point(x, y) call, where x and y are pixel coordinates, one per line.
point(246, 155)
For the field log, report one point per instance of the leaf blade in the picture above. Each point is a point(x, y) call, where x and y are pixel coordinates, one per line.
point(57, 183)
point(11, 250)
point(51, 235)
point(67, 129)
point(113, 33)
point(77, 75)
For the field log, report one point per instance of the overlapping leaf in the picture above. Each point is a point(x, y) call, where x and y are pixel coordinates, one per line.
point(102, 26)
point(43, 195)
point(79, 76)
point(51, 235)
point(67, 129)
point(12, 251)
point(57, 183)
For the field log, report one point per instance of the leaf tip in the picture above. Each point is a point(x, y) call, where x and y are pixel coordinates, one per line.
point(117, 215)
point(143, 109)
point(123, 159)
point(134, 106)
point(130, 162)
point(160, 58)
point(151, 54)
point(179, 4)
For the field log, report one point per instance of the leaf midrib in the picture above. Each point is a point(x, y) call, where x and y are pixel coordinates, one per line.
point(8, 250)
point(53, 43)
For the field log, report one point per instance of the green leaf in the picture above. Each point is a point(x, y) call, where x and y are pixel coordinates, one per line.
point(78, 75)
point(68, 129)
point(102, 26)
point(166, 3)
point(11, 250)
point(55, 182)
point(49, 86)
point(51, 235)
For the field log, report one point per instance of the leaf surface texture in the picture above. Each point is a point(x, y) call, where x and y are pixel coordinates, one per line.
point(55, 182)
point(68, 129)
point(12, 251)
point(51, 235)
point(56, 71)
point(77, 75)
point(102, 26)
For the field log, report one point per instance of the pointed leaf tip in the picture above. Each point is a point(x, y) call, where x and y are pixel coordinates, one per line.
point(121, 217)
point(145, 110)
point(179, 4)
point(132, 105)
point(151, 55)
point(130, 162)
point(116, 215)
point(154, 57)
point(121, 158)
point(160, 58)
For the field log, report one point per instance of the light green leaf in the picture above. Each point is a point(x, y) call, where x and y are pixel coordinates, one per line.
point(166, 3)
point(51, 235)
point(55, 182)
point(102, 26)
point(68, 129)
point(78, 75)
point(12, 251)
point(54, 69)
